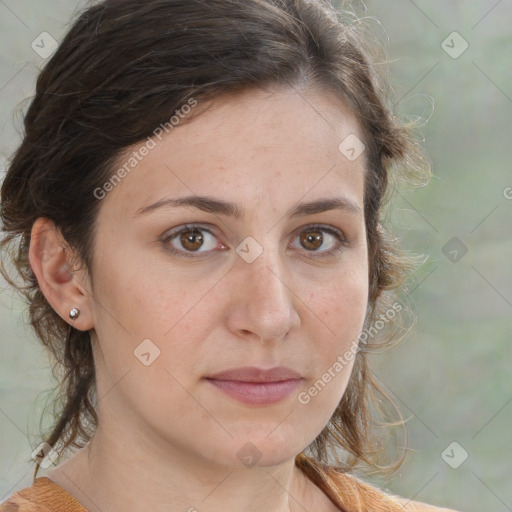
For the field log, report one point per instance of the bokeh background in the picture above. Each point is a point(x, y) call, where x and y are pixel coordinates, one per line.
point(451, 70)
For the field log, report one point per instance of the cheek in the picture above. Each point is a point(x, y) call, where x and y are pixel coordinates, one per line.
point(336, 318)
point(151, 324)
point(143, 300)
point(147, 326)
point(340, 306)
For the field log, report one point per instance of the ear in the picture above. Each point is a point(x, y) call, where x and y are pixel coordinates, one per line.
point(65, 288)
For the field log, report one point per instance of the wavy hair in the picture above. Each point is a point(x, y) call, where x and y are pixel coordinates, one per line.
point(123, 69)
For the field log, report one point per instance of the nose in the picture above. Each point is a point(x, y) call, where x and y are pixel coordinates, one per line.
point(264, 305)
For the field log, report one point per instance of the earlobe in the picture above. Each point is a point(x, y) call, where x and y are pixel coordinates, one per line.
point(51, 258)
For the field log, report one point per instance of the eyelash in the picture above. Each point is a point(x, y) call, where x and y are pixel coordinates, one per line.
point(342, 242)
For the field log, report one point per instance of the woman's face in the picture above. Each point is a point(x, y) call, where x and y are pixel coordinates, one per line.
point(263, 264)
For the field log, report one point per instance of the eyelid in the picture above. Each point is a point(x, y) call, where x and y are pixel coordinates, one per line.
point(324, 227)
point(189, 226)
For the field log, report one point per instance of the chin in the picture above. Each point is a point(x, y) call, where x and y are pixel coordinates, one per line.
point(253, 452)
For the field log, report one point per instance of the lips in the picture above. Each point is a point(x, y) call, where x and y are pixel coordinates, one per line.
point(254, 374)
point(256, 386)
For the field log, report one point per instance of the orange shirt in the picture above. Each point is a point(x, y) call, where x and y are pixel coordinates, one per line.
point(44, 496)
point(347, 492)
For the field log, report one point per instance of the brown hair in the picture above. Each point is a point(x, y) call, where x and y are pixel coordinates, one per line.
point(122, 70)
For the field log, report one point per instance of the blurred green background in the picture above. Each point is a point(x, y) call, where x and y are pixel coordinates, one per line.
point(450, 64)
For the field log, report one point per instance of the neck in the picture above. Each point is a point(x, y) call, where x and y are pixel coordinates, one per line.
point(116, 472)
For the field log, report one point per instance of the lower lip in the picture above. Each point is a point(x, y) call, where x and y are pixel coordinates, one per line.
point(259, 393)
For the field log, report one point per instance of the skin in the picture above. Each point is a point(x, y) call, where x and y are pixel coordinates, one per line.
point(167, 439)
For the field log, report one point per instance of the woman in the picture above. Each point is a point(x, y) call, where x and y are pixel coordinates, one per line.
point(194, 213)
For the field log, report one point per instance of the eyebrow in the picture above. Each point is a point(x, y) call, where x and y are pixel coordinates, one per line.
point(218, 206)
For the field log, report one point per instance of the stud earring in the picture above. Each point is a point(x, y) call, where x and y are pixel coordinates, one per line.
point(74, 314)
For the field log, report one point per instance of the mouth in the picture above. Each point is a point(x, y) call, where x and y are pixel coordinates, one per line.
point(251, 385)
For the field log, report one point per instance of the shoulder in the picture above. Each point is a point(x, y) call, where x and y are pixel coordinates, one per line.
point(350, 493)
point(371, 497)
point(43, 496)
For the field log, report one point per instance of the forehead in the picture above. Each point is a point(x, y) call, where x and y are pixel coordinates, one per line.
point(248, 147)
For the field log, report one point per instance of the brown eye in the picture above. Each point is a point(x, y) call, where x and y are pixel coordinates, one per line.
point(192, 239)
point(320, 240)
point(311, 240)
